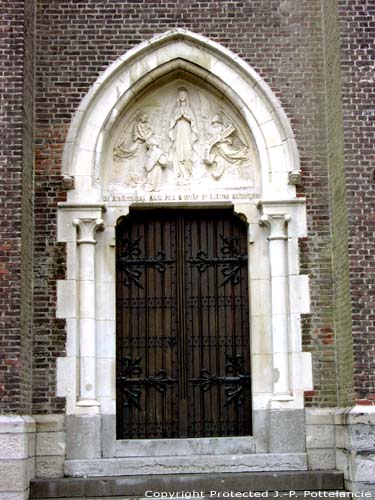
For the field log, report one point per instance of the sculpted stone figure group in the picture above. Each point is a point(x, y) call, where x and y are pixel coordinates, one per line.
point(219, 148)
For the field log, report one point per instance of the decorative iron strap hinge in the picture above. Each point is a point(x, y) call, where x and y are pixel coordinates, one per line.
point(131, 263)
point(234, 381)
point(231, 259)
point(132, 387)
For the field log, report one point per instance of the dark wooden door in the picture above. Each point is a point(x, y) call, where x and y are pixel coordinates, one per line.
point(183, 355)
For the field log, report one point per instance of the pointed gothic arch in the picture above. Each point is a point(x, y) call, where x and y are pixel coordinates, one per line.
point(145, 64)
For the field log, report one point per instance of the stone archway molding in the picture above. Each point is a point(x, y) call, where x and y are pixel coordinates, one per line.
point(193, 53)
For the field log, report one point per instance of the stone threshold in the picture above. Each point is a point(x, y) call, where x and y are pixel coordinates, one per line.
point(189, 446)
point(136, 486)
point(193, 464)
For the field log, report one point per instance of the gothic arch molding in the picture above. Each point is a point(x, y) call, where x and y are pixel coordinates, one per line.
point(207, 60)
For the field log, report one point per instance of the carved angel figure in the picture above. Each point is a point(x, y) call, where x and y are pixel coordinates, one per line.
point(145, 159)
point(183, 135)
point(142, 131)
point(224, 147)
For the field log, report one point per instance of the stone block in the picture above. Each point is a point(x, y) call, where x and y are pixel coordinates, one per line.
point(320, 416)
point(363, 466)
point(260, 426)
point(50, 466)
point(262, 373)
point(321, 459)
point(66, 299)
point(108, 435)
point(106, 338)
point(361, 437)
point(13, 475)
point(72, 340)
point(66, 376)
point(361, 487)
point(184, 447)
point(11, 424)
point(50, 443)
point(106, 382)
point(193, 464)
point(13, 446)
point(105, 306)
point(320, 436)
point(261, 342)
point(301, 363)
point(14, 495)
point(83, 436)
point(299, 294)
point(361, 415)
point(49, 423)
point(65, 229)
point(260, 289)
point(287, 431)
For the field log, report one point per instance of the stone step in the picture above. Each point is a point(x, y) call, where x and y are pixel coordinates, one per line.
point(180, 447)
point(137, 486)
point(193, 464)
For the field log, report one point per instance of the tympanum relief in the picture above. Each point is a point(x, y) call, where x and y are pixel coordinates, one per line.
point(180, 137)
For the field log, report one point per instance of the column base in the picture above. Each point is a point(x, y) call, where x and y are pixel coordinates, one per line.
point(88, 402)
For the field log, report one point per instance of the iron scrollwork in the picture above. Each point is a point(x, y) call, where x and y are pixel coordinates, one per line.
point(234, 382)
point(231, 260)
point(131, 262)
point(131, 381)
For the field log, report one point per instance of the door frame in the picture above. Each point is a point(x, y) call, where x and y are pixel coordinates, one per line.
point(86, 223)
point(262, 320)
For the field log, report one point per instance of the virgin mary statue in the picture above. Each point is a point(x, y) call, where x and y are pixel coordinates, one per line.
point(183, 135)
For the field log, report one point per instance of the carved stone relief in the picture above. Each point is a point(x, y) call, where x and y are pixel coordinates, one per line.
point(179, 136)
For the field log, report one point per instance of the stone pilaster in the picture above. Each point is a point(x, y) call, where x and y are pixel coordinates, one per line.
point(87, 228)
point(277, 224)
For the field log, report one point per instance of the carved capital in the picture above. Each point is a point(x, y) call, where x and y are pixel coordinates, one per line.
point(277, 223)
point(87, 229)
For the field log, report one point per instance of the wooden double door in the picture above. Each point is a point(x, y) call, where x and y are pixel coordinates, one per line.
point(183, 355)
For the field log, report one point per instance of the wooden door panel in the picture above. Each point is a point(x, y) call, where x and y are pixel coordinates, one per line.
point(147, 394)
point(183, 359)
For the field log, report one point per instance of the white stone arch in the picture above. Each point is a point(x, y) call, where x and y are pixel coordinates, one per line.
point(278, 294)
point(180, 49)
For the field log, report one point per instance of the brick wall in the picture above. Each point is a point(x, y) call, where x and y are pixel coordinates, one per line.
point(281, 39)
point(16, 195)
point(342, 308)
point(357, 30)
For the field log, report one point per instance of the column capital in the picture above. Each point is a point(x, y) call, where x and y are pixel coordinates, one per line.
point(87, 228)
point(277, 223)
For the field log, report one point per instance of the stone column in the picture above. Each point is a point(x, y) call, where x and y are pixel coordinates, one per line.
point(86, 241)
point(277, 223)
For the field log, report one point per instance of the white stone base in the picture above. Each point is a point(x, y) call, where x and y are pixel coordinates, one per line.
point(344, 439)
point(50, 445)
point(193, 464)
point(17, 456)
